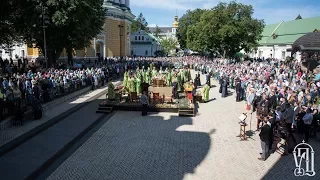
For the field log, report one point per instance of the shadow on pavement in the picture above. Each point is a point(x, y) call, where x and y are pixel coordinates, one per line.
point(285, 166)
point(129, 146)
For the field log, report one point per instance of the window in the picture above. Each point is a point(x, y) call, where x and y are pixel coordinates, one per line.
point(135, 38)
point(142, 38)
point(283, 55)
point(146, 52)
point(139, 38)
point(0, 53)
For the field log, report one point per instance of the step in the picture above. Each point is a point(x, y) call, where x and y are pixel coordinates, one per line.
point(104, 111)
point(186, 110)
point(106, 108)
point(186, 114)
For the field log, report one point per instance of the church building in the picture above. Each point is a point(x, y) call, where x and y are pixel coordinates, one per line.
point(113, 41)
point(278, 38)
point(115, 38)
point(144, 44)
point(167, 32)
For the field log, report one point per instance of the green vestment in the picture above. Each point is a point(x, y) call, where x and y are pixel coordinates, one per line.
point(138, 85)
point(206, 90)
point(111, 93)
point(131, 85)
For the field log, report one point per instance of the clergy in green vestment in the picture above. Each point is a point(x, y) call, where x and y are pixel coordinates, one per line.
point(206, 90)
point(185, 76)
point(169, 79)
point(131, 85)
point(154, 72)
point(111, 93)
point(138, 85)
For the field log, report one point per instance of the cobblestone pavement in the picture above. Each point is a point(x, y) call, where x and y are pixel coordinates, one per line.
point(163, 146)
point(9, 134)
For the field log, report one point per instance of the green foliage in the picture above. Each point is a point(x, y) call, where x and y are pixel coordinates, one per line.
point(140, 23)
point(157, 31)
point(186, 22)
point(168, 44)
point(225, 29)
point(68, 24)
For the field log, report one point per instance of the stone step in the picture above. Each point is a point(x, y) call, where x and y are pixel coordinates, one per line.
point(104, 111)
point(106, 108)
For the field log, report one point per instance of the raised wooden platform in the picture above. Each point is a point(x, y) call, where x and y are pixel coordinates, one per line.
point(180, 106)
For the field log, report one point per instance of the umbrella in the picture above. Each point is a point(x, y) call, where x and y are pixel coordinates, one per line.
point(317, 77)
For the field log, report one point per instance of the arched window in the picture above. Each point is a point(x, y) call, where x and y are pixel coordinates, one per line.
point(135, 38)
point(139, 38)
point(146, 52)
point(142, 38)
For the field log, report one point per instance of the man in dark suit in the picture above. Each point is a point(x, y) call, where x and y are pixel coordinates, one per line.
point(266, 138)
point(272, 101)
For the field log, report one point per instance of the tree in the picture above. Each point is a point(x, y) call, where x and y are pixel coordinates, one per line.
point(8, 13)
point(226, 29)
point(157, 31)
point(139, 23)
point(185, 22)
point(68, 24)
point(168, 44)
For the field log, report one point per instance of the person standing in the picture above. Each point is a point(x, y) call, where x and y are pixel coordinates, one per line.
point(238, 90)
point(307, 121)
point(145, 103)
point(265, 138)
point(225, 87)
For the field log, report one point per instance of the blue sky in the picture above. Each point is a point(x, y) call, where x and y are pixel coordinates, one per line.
point(161, 12)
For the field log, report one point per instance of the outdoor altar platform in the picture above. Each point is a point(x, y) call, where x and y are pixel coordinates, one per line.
point(182, 106)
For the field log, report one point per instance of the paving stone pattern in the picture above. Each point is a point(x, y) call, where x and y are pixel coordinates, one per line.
point(29, 156)
point(162, 146)
point(9, 134)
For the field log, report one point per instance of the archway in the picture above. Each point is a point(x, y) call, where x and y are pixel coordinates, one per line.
point(99, 49)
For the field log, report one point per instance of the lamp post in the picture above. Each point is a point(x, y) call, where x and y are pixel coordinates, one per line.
point(44, 35)
point(120, 34)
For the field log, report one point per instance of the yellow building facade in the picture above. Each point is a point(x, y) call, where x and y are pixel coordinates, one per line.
point(114, 40)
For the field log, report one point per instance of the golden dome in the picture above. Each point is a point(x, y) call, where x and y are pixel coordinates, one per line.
point(175, 24)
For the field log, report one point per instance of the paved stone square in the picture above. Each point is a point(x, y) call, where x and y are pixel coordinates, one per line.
point(164, 146)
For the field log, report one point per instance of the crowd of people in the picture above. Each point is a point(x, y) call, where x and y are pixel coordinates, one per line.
point(285, 98)
point(22, 87)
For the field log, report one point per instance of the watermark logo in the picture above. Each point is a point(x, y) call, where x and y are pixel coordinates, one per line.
point(304, 160)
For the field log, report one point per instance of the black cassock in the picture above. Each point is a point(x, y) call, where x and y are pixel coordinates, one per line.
point(224, 88)
point(238, 91)
point(221, 84)
point(196, 83)
point(175, 90)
